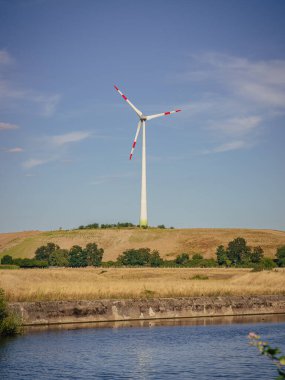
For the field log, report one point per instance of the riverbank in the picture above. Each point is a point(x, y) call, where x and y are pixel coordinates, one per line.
point(62, 312)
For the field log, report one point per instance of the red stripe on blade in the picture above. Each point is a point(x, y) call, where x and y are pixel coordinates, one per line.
point(116, 88)
point(131, 156)
point(124, 97)
point(166, 113)
point(134, 144)
point(178, 111)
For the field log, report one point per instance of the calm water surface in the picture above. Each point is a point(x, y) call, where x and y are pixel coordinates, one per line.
point(154, 352)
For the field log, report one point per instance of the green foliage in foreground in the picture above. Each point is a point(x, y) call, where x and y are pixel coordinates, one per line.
point(272, 353)
point(10, 324)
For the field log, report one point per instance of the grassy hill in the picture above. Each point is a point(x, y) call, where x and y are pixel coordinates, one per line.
point(169, 242)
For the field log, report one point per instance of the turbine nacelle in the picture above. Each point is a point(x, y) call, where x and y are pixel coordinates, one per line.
point(143, 118)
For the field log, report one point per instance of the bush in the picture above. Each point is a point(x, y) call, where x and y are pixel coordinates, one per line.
point(10, 324)
point(7, 259)
point(30, 263)
point(43, 252)
point(280, 256)
point(59, 258)
point(265, 264)
point(94, 254)
point(155, 260)
point(77, 257)
point(140, 257)
point(182, 259)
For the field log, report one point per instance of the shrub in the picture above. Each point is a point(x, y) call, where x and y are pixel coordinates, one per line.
point(77, 257)
point(94, 254)
point(257, 255)
point(30, 263)
point(135, 257)
point(280, 256)
point(155, 260)
point(43, 252)
point(140, 257)
point(59, 258)
point(222, 257)
point(182, 259)
point(10, 324)
point(265, 264)
point(7, 259)
point(200, 277)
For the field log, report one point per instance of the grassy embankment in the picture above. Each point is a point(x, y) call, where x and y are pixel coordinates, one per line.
point(91, 283)
point(168, 242)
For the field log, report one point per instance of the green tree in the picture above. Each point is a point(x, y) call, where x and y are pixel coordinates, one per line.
point(77, 257)
point(280, 256)
point(7, 259)
point(135, 257)
point(222, 256)
point(43, 252)
point(94, 254)
point(182, 259)
point(238, 252)
point(155, 260)
point(59, 258)
point(257, 255)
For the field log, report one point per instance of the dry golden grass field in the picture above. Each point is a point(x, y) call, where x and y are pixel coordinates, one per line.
point(100, 283)
point(169, 242)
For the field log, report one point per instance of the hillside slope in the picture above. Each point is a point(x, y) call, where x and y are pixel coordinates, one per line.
point(168, 242)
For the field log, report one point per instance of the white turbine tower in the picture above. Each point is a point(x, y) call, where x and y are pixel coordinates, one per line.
point(143, 118)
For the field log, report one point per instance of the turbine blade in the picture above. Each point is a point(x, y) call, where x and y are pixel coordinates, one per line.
point(135, 140)
point(161, 114)
point(137, 111)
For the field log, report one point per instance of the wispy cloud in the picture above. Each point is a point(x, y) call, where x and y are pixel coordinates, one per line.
point(33, 162)
point(50, 148)
point(15, 150)
point(12, 94)
point(8, 126)
point(241, 95)
point(233, 145)
point(238, 126)
point(70, 137)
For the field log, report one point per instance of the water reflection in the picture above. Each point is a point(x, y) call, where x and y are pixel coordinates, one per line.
point(205, 321)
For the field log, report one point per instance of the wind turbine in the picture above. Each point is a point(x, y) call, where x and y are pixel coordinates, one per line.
point(143, 118)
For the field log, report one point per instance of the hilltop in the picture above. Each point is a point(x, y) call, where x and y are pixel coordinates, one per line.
point(169, 242)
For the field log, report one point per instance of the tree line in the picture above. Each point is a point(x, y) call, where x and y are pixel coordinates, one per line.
point(236, 254)
point(115, 225)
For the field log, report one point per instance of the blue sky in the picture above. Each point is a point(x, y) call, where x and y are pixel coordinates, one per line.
point(65, 134)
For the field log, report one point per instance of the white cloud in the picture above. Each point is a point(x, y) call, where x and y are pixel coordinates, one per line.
point(15, 150)
point(32, 162)
point(69, 137)
point(233, 145)
point(238, 125)
point(7, 126)
point(241, 95)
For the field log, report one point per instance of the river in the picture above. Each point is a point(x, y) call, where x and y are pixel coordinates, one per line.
point(186, 349)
